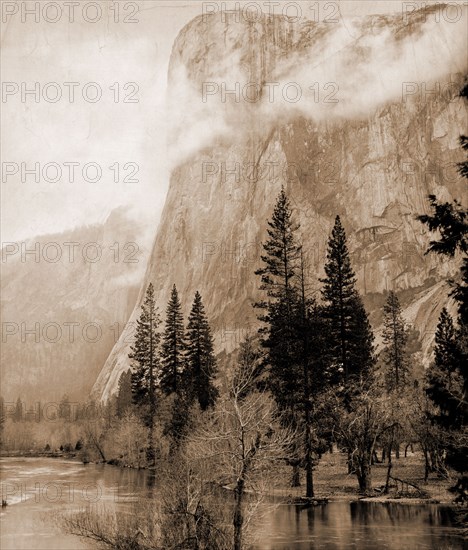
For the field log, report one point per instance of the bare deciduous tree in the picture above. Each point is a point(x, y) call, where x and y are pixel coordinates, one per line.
point(242, 439)
point(360, 426)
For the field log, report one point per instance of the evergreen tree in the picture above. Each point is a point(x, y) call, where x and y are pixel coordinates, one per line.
point(445, 350)
point(282, 357)
point(451, 222)
point(279, 278)
point(124, 394)
point(200, 359)
point(395, 338)
point(173, 346)
point(350, 335)
point(282, 252)
point(179, 420)
point(444, 383)
point(463, 166)
point(291, 334)
point(144, 356)
point(312, 334)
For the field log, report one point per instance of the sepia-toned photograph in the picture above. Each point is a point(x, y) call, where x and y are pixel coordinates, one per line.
point(234, 275)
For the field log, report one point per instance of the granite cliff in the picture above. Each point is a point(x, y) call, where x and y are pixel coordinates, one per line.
point(363, 141)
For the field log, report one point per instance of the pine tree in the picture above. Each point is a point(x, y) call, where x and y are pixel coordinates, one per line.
point(395, 338)
point(445, 350)
point(463, 166)
point(279, 278)
point(282, 355)
point(282, 252)
point(291, 334)
point(451, 222)
point(200, 359)
point(124, 394)
point(311, 331)
point(444, 383)
point(350, 335)
point(144, 356)
point(173, 346)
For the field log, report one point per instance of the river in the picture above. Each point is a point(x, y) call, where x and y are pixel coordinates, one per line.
point(37, 489)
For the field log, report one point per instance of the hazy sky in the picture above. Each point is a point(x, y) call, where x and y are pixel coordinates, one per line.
point(118, 59)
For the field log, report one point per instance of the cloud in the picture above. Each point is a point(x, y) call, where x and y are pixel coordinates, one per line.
point(350, 70)
point(375, 68)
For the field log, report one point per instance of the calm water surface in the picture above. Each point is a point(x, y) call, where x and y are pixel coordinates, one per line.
point(39, 488)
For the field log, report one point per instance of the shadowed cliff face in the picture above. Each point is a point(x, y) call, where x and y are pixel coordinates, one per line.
point(373, 163)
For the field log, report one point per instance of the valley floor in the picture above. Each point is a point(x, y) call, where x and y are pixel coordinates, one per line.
point(333, 483)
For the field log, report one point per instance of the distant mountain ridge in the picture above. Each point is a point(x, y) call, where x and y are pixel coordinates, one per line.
point(66, 299)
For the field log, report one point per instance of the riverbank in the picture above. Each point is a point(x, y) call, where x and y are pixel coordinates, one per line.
point(39, 454)
point(331, 482)
point(114, 501)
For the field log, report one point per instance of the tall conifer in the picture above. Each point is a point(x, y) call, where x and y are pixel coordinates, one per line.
point(146, 366)
point(144, 353)
point(201, 362)
point(173, 346)
point(444, 383)
point(350, 335)
point(395, 338)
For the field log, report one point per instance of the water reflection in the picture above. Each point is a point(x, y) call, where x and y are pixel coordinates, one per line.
point(362, 525)
point(39, 488)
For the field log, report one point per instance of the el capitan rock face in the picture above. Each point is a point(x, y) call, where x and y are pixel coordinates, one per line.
point(375, 169)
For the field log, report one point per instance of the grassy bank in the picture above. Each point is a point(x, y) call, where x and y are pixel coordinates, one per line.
point(332, 482)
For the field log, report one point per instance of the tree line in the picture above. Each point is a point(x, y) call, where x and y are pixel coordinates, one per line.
point(177, 363)
point(315, 355)
point(321, 366)
point(310, 380)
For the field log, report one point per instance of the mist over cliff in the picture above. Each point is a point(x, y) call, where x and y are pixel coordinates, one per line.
point(366, 139)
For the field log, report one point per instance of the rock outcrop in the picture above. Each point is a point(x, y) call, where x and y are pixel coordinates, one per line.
point(372, 162)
